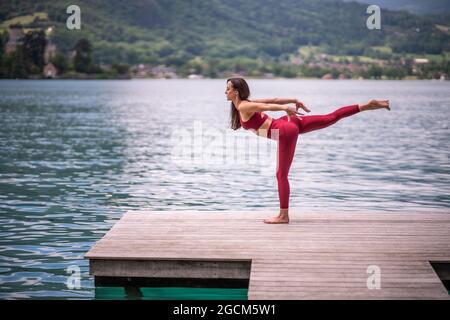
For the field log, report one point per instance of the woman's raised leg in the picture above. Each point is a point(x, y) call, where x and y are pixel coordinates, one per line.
point(316, 122)
point(311, 123)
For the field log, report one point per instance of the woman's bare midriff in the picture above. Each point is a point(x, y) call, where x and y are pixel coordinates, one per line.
point(264, 129)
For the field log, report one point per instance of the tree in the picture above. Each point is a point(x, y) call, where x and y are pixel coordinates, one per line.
point(375, 72)
point(3, 40)
point(34, 47)
point(15, 65)
point(61, 63)
point(83, 57)
point(121, 68)
point(394, 73)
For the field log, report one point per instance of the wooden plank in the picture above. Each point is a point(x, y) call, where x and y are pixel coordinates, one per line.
point(316, 256)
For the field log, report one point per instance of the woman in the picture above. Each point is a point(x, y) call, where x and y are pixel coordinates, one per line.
point(249, 114)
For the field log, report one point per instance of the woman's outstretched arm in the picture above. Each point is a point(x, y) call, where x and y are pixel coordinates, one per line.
point(250, 107)
point(276, 100)
point(298, 104)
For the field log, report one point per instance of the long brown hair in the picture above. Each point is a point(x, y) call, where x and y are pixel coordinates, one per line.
point(241, 86)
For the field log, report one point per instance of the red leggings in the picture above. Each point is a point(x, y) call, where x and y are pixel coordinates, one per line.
point(288, 132)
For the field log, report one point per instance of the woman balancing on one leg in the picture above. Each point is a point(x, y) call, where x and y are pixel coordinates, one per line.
point(249, 114)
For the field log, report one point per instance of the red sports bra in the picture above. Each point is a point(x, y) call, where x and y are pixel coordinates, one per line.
point(255, 121)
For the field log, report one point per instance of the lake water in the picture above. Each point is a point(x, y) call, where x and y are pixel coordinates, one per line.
point(76, 155)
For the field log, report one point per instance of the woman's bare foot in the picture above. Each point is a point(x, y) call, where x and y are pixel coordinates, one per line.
point(374, 104)
point(283, 217)
point(277, 219)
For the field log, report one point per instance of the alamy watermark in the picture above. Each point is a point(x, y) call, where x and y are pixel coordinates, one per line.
point(218, 148)
point(73, 22)
point(373, 22)
point(374, 280)
point(74, 278)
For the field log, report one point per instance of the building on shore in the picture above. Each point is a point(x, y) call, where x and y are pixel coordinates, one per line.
point(50, 71)
point(164, 72)
point(194, 76)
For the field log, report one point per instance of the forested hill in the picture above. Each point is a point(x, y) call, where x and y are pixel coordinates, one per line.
point(173, 32)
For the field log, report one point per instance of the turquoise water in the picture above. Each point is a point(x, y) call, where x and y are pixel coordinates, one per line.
point(76, 155)
point(170, 293)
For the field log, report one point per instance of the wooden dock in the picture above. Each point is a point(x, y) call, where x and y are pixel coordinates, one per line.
point(315, 256)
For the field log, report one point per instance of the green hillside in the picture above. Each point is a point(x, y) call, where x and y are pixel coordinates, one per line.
point(155, 31)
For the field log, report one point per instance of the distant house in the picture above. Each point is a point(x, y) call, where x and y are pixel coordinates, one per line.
point(163, 72)
point(142, 71)
point(15, 38)
point(194, 76)
point(50, 71)
point(421, 61)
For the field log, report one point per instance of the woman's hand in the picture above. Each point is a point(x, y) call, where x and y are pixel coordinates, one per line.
point(291, 111)
point(299, 104)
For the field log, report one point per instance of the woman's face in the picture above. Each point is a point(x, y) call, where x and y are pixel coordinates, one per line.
point(230, 92)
